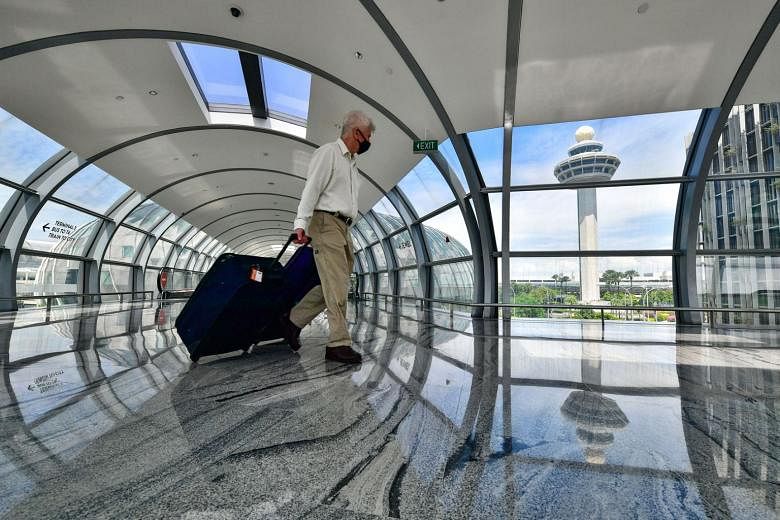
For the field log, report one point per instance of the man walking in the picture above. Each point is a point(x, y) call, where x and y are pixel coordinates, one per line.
point(328, 207)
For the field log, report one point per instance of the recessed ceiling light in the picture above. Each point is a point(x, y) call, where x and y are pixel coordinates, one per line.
point(358, 55)
point(271, 183)
point(236, 12)
point(152, 92)
point(120, 98)
point(643, 7)
point(265, 154)
point(195, 156)
point(175, 158)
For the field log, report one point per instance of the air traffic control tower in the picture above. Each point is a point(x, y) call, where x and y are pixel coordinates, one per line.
point(587, 162)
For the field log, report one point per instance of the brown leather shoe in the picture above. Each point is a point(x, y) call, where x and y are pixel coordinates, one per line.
point(290, 331)
point(343, 354)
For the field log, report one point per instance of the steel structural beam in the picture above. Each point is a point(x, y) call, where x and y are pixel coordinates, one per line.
point(255, 89)
point(697, 166)
point(485, 276)
point(514, 19)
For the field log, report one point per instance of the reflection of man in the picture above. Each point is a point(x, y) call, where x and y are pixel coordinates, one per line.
point(329, 205)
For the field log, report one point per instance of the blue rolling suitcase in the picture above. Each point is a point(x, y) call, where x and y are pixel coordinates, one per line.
point(240, 299)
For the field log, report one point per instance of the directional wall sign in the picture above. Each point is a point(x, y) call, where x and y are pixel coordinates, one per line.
point(425, 146)
point(60, 230)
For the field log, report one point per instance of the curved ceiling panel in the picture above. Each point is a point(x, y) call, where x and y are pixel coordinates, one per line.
point(212, 210)
point(763, 84)
point(231, 220)
point(673, 56)
point(265, 229)
point(219, 229)
point(259, 239)
point(75, 99)
point(458, 67)
point(268, 24)
point(202, 189)
point(156, 162)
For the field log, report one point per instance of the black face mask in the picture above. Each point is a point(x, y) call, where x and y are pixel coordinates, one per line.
point(363, 145)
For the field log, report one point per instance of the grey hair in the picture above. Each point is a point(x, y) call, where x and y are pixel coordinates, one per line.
point(354, 119)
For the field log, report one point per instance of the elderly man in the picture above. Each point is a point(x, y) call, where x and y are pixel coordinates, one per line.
point(328, 207)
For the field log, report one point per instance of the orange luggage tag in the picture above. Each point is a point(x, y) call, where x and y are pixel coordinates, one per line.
point(255, 274)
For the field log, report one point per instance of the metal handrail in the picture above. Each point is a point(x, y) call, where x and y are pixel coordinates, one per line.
point(83, 296)
point(453, 303)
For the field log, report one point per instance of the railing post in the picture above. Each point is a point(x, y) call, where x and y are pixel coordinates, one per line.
point(602, 318)
point(121, 298)
point(48, 308)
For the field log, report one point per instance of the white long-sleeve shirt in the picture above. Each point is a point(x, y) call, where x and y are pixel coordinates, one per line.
point(332, 184)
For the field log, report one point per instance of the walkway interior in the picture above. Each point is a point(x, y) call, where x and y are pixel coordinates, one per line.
point(104, 416)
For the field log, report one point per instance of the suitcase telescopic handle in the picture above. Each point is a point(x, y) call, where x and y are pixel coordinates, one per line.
point(292, 237)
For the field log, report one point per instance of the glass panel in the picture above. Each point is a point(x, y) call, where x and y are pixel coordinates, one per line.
point(740, 282)
point(164, 224)
point(60, 229)
point(160, 253)
point(287, 88)
point(218, 72)
point(631, 217)
point(360, 263)
point(750, 141)
point(741, 214)
point(357, 240)
point(367, 284)
point(115, 278)
point(177, 249)
point(22, 148)
point(198, 264)
point(184, 256)
point(366, 229)
point(409, 280)
point(150, 280)
point(5, 195)
point(632, 147)
point(425, 188)
point(38, 276)
point(124, 245)
point(495, 199)
point(146, 216)
point(197, 240)
point(177, 230)
point(93, 189)
point(447, 236)
point(448, 151)
point(488, 148)
point(454, 281)
point(384, 284)
point(379, 257)
point(617, 280)
point(387, 216)
point(404, 251)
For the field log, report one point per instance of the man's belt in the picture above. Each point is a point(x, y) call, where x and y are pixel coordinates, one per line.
point(347, 220)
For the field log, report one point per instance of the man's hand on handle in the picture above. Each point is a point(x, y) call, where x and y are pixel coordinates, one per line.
point(300, 237)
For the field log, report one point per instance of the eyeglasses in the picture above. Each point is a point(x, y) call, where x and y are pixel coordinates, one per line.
point(362, 135)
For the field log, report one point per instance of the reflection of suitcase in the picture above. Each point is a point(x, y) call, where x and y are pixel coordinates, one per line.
point(240, 299)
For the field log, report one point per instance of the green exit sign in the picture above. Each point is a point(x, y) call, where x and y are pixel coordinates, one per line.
point(425, 146)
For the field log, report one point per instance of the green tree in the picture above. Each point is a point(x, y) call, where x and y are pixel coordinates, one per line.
point(630, 274)
point(612, 277)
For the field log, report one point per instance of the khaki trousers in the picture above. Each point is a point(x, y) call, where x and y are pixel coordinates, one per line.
point(334, 256)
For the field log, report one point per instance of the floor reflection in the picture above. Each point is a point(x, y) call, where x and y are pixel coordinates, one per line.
point(448, 417)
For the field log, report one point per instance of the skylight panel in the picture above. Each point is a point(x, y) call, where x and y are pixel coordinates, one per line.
point(218, 73)
point(287, 89)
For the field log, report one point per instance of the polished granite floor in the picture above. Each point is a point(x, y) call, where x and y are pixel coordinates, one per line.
point(103, 416)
